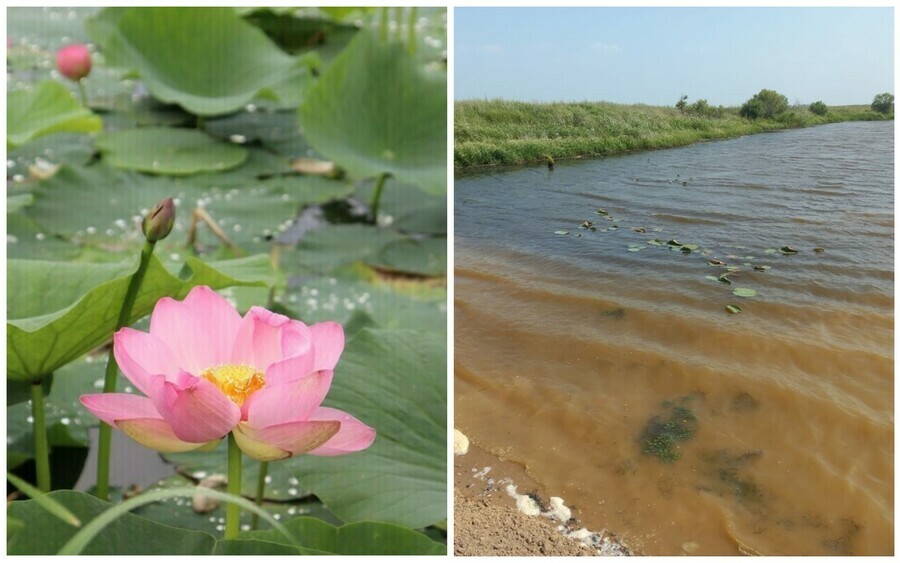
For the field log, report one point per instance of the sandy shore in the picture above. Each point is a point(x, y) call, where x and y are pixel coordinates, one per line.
point(487, 520)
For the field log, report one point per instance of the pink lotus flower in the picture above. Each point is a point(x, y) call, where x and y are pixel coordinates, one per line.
point(74, 61)
point(206, 372)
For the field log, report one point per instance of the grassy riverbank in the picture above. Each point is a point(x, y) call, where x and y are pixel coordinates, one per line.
point(498, 132)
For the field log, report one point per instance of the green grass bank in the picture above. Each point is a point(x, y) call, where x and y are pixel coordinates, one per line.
point(500, 132)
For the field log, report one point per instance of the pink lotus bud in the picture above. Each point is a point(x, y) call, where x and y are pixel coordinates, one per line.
point(74, 61)
point(158, 223)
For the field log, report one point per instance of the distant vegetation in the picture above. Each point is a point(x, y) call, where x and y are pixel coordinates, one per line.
point(883, 103)
point(499, 132)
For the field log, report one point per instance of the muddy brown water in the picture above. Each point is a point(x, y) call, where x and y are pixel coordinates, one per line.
point(568, 348)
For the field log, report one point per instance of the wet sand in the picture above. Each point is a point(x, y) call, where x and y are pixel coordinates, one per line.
point(487, 522)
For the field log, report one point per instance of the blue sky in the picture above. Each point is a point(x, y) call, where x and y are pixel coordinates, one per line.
point(653, 55)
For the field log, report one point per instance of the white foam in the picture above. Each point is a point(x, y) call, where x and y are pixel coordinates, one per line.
point(558, 510)
point(460, 443)
point(524, 503)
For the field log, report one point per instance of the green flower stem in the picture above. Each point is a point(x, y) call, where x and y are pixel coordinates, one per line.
point(411, 32)
point(233, 511)
point(383, 25)
point(84, 98)
point(260, 491)
point(112, 371)
point(41, 448)
point(376, 198)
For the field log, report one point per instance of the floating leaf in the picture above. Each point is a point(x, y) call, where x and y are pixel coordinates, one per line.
point(818, 250)
point(165, 150)
point(49, 108)
point(713, 278)
point(655, 242)
point(762, 268)
point(374, 111)
point(724, 279)
point(744, 292)
point(733, 308)
point(770, 250)
point(674, 242)
point(601, 211)
point(211, 62)
point(787, 250)
point(560, 232)
point(691, 246)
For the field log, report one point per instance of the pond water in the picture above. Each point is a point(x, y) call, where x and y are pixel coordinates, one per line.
point(577, 353)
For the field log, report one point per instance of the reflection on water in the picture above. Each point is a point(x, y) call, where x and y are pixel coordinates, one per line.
point(608, 365)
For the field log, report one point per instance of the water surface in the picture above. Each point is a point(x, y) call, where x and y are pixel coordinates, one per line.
point(569, 347)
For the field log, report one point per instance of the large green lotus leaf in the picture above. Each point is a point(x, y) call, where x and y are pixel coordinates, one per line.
point(48, 108)
point(275, 130)
point(326, 249)
point(283, 486)
point(180, 512)
point(57, 311)
point(207, 60)
point(98, 205)
point(361, 538)
point(25, 239)
point(264, 211)
point(410, 209)
point(396, 382)
point(337, 299)
point(59, 148)
point(260, 164)
point(374, 111)
point(165, 150)
point(260, 547)
point(15, 202)
point(43, 534)
point(425, 257)
point(309, 32)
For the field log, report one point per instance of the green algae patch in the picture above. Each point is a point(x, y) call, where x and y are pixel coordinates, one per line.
point(663, 433)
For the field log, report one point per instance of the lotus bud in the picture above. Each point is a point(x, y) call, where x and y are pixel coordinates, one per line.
point(74, 61)
point(158, 223)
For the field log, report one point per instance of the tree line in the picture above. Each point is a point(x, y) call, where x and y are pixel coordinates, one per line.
point(769, 104)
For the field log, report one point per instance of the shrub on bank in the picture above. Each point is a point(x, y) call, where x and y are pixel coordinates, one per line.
point(883, 103)
point(767, 104)
point(818, 108)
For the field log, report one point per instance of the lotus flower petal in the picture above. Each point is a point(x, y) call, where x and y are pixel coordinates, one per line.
point(294, 438)
point(197, 410)
point(352, 437)
point(289, 371)
point(200, 330)
point(294, 402)
point(141, 355)
point(258, 341)
point(329, 341)
point(138, 418)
